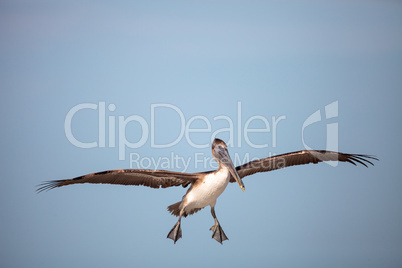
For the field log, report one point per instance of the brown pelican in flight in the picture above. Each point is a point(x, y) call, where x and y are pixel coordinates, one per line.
point(206, 187)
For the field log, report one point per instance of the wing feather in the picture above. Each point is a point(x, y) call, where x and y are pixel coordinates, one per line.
point(149, 178)
point(300, 158)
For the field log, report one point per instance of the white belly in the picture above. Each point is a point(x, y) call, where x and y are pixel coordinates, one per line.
point(206, 193)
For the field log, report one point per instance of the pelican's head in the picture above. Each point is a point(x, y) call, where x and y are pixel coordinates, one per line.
point(221, 155)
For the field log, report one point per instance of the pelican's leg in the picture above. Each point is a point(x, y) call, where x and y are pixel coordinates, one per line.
point(217, 232)
point(175, 233)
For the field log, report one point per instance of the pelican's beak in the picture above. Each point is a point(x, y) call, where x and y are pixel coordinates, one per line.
point(223, 158)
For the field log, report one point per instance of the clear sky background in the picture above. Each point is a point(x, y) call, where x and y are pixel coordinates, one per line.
point(277, 58)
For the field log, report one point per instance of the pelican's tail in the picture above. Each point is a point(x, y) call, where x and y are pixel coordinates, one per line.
point(175, 208)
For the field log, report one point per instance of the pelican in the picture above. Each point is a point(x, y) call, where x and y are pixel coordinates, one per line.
point(206, 187)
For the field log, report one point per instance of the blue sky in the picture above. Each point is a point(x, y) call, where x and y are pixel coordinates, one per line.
point(275, 59)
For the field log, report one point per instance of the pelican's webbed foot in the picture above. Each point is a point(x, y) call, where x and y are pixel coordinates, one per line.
point(217, 233)
point(175, 233)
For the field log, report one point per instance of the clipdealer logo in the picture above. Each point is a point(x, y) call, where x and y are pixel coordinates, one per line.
point(330, 111)
point(111, 126)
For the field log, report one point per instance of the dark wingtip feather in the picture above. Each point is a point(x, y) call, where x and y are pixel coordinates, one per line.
point(358, 160)
point(48, 185)
point(363, 159)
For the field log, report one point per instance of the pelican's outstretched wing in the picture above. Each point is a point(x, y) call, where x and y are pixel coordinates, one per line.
point(299, 158)
point(150, 178)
